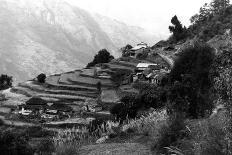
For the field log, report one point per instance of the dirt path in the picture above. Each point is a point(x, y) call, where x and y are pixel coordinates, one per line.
point(168, 60)
point(115, 149)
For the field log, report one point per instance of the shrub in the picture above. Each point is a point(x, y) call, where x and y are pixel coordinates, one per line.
point(126, 109)
point(14, 142)
point(41, 78)
point(171, 134)
point(190, 84)
point(69, 141)
point(150, 124)
point(45, 147)
point(207, 137)
point(5, 82)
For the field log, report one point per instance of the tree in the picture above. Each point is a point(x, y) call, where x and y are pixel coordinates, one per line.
point(219, 5)
point(5, 81)
point(103, 56)
point(125, 50)
point(204, 12)
point(99, 86)
point(41, 78)
point(179, 32)
point(194, 19)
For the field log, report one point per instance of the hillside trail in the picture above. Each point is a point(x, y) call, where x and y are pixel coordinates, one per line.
point(167, 59)
point(115, 149)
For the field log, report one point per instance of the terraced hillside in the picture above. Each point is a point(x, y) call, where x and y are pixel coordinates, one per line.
point(67, 87)
point(75, 89)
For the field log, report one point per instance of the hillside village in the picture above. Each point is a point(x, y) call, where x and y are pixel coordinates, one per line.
point(171, 98)
point(73, 94)
point(84, 98)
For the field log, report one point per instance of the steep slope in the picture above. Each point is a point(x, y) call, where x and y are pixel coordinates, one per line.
point(50, 36)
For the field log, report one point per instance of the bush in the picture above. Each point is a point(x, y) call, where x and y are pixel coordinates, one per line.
point(171, 134)
point(190, 83)
point(41, 78)
point(5, 82)
point(69, 141)
point(13, 142)
point(126, 109)
point(45, 147)
point(150, 124)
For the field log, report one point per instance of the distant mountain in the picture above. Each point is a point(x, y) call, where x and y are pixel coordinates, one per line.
point(52, 36)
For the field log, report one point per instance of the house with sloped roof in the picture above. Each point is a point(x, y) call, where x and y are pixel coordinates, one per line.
point(139, 48)
point(143, 66)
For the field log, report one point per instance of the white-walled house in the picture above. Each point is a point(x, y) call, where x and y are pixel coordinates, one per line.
point(144, 66)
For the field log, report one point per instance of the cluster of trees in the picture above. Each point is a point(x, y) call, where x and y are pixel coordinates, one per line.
point(208, 10)
point(187, 88)
point(5, 81)
point(213, 19)
point(178, 31)
point(103, 56)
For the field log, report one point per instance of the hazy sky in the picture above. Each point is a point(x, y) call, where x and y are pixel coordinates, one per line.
point(153, 15)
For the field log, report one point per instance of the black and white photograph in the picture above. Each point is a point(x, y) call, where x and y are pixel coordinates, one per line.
point(115, 77)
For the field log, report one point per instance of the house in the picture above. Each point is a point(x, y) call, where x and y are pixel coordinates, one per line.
point(143, 66)
point(139, 48)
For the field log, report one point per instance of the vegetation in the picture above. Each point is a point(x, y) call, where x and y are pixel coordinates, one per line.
point(127, 109)
point(103, 56)
point(142, 56)
point(171, 134)
point(125, 50)
point(212, 19)
point(222, 76)
point(5, 82)
point(41, 78)
point(189, 88)
point(14, 142)
point(179, 32)
point(119, 75)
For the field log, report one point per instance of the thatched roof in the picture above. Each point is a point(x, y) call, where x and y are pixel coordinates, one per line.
point(36, 101)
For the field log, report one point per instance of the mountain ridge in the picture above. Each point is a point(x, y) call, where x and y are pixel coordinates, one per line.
point(43, 36)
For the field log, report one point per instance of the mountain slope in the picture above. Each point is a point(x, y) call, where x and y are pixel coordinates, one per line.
point(52, 36)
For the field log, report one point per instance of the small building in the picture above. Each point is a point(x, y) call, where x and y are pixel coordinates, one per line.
point(139, 48)
point(143, 66)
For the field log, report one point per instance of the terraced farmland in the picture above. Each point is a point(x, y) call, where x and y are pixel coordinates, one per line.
point(75, 89)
